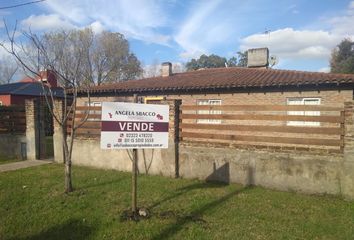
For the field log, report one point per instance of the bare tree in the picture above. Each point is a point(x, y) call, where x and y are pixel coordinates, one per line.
point(152, 70)
point(178, 67)
point(65, 60)
point(105, 57)
point(8, 69)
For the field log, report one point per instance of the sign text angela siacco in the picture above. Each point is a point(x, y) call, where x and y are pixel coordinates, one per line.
point(133, 125)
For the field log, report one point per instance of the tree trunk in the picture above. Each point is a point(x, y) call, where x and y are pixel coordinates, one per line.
point(67, 161)
point(68, 182)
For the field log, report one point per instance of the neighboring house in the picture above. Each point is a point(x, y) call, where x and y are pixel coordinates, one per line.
point(28, 88)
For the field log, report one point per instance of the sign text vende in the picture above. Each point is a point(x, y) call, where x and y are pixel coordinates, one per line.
point(131, 125)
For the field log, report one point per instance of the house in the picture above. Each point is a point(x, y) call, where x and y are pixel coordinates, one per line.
point(28, 88)
point(233, 86)
point(292, 130)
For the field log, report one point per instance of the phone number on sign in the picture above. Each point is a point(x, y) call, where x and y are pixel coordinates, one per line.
point(138, 140)
point(138, 135)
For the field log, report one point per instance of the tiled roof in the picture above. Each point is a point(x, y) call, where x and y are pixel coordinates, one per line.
point(227, 78)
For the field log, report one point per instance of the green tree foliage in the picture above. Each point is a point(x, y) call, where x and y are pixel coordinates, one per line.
point(232, 62)
point(342, 59)
point(204, 61)
point(242, 59)
point(215, 61)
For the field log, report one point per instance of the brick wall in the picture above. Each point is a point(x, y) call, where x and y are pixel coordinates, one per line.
point(328, 98)
point(35, 129)
point(58, 134)
point(347, 171)
point(30, 129)
point(5, 100)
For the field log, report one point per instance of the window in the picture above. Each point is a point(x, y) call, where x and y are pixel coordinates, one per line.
point(153, 100)
point(209, 102)
point(303, 101)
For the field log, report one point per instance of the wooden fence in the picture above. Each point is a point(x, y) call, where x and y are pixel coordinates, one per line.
point(12, 119)
point(92, 127)
point(277, 126)
point(260, 126)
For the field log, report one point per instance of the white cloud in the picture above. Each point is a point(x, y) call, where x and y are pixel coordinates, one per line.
point(97, 27)
point(305, 45)
point(290, 43)
point(293, 9)
point(343, 24)
point(197, 34)
point(7, 45)
point(192, 53)
point(46, 22)
point(137, 19)
point(351, 5)
point(324, 69)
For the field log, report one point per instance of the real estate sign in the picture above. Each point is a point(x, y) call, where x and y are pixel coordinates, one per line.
point(133, 125)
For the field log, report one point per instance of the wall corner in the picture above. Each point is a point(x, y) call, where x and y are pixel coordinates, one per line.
point(30, 129)
point(347, 167)
point(58, 134)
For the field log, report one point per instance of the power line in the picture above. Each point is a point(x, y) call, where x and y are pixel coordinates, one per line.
point(21, 4)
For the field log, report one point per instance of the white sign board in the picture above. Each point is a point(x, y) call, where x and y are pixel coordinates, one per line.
point(133, 125)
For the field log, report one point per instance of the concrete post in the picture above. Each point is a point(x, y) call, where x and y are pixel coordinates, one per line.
point(177, 104)
point(31, 141)
point(40, 129)
point(347, 173)
point(35, 132)
point(58, 135)
point(174, 132)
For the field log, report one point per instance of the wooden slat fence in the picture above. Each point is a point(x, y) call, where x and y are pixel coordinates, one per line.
point(12, 119)
point(92, 127)
point(247, 125)
point(264, 125)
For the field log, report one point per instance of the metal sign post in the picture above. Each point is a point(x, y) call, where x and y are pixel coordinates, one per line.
point(134, 172)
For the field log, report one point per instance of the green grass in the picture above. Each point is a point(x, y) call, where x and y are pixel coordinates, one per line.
point(4, 160)
point(33, 206)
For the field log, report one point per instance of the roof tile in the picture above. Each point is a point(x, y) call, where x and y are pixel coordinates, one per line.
point(219, 78)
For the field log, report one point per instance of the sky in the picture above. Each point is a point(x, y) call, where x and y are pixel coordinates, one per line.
point(300, 33)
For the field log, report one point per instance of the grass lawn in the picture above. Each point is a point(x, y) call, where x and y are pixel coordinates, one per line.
point(33, 206)
point(4, 160)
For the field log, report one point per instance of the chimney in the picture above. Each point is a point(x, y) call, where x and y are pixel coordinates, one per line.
point(258, 58)
point(48, 77)
point(166, 69)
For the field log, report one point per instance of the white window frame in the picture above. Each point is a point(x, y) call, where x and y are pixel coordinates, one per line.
point(304, 101)
point(209, 102)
